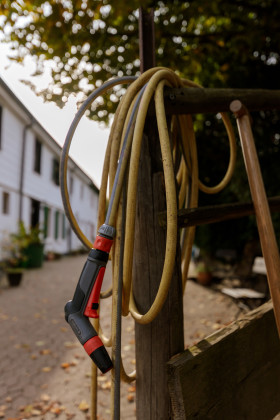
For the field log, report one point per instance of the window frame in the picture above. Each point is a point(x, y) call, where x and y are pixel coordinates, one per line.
point(37, 163)
point(55, 171)
point(6, 202)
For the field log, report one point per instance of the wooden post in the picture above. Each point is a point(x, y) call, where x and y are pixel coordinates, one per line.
point(164, 337)
point(146, 39)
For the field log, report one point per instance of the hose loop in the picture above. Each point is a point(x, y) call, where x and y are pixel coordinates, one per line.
point(120, 174)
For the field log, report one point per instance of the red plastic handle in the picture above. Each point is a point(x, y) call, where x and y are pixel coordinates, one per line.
point(91, 309)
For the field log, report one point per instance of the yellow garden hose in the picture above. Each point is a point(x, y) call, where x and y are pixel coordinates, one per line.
point(177, 144)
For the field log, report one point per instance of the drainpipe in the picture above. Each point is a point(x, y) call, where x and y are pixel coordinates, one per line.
point(22, 168)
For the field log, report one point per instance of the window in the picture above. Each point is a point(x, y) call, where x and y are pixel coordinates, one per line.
point(63, 226)
point(71, 186)
point(46, 221)
point(82, 192)
point(1, 115)
point(35, 213)
point(37, 156)
point(56, 224)
point(55, 171)
point(5, 203)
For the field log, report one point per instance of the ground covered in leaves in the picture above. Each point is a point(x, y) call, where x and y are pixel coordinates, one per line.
point(45, 373)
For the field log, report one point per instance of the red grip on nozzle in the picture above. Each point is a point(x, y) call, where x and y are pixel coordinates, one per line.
point(93, 301)
point(103, 244)
point(92, 344)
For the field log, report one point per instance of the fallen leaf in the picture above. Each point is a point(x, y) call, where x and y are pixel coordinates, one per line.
point(45, 351)
point(70, 344)
point(33, 356)
point(101, 378)
point(65, 365)
point(40, 343)
point(216, 326)
point(8, 399)
point(106, 386)
point(79, 356)
point(46, 369)
point(56, 410)
point(36, 412)
point(132, 388)
point(28, 408)
point(2, 414)
point(126, 348)
point(83, 406)
point(130, 398)
point(45, 397)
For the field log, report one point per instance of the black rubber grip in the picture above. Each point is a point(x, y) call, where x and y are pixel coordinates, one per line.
point(102, 359)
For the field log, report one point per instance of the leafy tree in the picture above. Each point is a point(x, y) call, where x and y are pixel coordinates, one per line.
point(90, 41)
point(218, 44)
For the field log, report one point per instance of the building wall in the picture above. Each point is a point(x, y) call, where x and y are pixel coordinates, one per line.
point(10, 152)
point(40, 193)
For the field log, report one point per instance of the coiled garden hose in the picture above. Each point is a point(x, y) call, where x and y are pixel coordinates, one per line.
point(120, 171)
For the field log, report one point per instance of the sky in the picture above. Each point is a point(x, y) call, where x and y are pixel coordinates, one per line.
point(90, 140)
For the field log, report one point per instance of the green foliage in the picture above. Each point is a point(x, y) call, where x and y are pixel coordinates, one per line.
point(15, 246)
point(27, 237)
point(90, 41)
point(217, 44)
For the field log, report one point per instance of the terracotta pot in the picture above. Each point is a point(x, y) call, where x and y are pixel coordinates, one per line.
point(204, 278)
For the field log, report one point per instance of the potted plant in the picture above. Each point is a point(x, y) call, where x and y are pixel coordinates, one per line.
point(14, 260)
point(31, 244)
point(203, 273)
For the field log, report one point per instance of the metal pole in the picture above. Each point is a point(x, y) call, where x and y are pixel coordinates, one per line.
point(263, 217)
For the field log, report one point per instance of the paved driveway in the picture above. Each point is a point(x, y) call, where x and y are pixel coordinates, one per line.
point(44, 371)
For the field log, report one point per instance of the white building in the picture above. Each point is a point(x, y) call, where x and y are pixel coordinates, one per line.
point(29, 183)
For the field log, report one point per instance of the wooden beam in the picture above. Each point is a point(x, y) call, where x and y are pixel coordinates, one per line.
point(218, 213)
point(233, 374)
point(195, 100)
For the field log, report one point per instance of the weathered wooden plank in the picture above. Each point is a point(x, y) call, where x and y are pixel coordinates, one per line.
point(164, 337)
point(232, 374)
point(156, 342)
point(218, 213)
point(194, 100)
